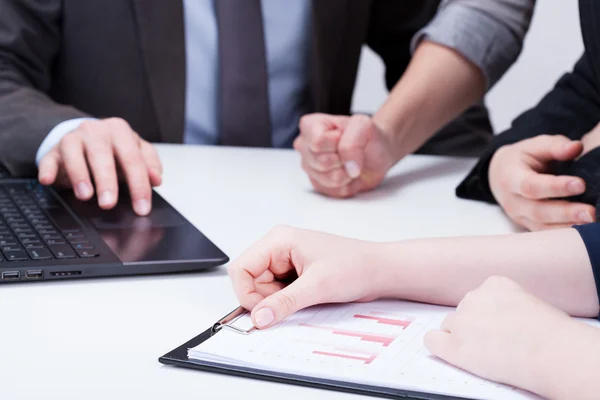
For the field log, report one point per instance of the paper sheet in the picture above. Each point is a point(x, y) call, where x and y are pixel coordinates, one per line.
point(378, 343)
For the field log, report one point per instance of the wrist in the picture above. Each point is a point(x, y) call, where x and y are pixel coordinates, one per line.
point(381, 266)
point(560, 368)
point(397, 131)
point(491, 173)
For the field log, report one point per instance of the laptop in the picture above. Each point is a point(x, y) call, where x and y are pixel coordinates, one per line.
point(47, 234)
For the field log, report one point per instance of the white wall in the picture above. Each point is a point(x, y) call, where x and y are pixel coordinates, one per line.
point(552, 47)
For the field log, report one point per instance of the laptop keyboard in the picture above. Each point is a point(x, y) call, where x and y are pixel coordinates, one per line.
point(35, 226)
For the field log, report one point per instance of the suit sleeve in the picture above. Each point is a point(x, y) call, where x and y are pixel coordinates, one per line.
point(392, 26)
point(572, 109)
point(29, 42)
point(590, 234)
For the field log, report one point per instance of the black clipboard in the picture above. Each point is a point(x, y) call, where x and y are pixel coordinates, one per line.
point(179, 358)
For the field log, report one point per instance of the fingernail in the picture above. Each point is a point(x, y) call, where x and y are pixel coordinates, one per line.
point(83, 190)
point(45, 178)
point(576, 187)
point(585, 217)
point(264, 317)
point(352, 169)
point(106, 199)
point(142, 207)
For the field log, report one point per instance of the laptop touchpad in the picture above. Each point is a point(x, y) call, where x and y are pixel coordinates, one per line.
point(123, 217)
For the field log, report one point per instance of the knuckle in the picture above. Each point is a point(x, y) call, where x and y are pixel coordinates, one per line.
point(69, 139)
point(87, 125)
point(469, 297)
point(509, 208)
point(505, 181)
point(285, 301)
point(528, 188)
point(327, 160)
point(362, 118)
point(494, 280)
point(305, 121)
point(280, 230)
point(500, 283)
point(118, 123)
point(319, 141)
point(337, 177)
point(297, 144)
point(538, 214)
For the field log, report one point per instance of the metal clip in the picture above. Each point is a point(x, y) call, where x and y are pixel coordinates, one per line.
point(229, 320)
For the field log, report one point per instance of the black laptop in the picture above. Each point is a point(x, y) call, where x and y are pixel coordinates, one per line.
point(47, 234)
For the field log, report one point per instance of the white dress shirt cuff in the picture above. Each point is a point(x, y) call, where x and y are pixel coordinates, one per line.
point(56, 135)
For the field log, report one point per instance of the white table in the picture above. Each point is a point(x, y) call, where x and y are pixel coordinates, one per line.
point(100, 339)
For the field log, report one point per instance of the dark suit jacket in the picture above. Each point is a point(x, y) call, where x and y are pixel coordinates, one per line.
point(572, 109)
point(62, 59)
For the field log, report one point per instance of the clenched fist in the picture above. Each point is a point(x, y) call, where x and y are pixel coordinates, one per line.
point(343, 155)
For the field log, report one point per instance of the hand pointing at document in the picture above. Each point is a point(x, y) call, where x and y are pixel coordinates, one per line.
point(291, 269)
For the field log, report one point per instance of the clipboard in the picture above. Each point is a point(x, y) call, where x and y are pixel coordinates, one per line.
point(179, 358)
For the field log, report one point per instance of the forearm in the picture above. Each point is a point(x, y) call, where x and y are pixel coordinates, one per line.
point(26, 117)
point(553, 265)
point(438, 85)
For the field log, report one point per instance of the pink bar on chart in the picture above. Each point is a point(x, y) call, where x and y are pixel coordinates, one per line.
point(384, 340)
point(386, 321)
point(366, 360)
point(367, 337)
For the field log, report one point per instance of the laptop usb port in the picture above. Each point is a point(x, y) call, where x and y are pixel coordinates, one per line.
point(11, 275)
point(34, 274)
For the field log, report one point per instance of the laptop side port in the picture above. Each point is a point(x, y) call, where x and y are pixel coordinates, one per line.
point(11, 275)
point(66, 273)
point(34, 274)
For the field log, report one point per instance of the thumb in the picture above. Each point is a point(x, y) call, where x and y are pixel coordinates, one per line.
point(354, 140)
point(567, 151)
point(280, 305)
point(553, 148)
point(439, 343)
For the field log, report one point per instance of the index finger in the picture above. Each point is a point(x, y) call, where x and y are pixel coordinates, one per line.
point(136, 172)
point(48, 169)
point(536, 186)
point(322, 132)
point(269, 254)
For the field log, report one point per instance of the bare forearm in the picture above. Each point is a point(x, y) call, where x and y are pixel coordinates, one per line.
point(438, 85)
point(553, 265)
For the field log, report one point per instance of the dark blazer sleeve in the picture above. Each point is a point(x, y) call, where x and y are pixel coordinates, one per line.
point(392, 26)
point(572, 109)
point(29, 41)
point(590, 234)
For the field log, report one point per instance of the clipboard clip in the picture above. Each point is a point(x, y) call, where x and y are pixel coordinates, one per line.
point(228, 321)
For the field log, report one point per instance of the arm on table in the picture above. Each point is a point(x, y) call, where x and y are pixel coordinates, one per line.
point(459, 55)
point(29, 42)
point(553, 265)
point(557, 266)
point(570, 109)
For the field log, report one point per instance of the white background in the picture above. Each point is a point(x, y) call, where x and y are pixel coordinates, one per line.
point(552, 47)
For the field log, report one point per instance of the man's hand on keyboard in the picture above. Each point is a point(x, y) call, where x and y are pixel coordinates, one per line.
point(103, 150)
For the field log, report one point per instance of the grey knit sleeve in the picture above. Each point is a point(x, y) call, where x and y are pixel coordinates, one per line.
point(489, 33)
